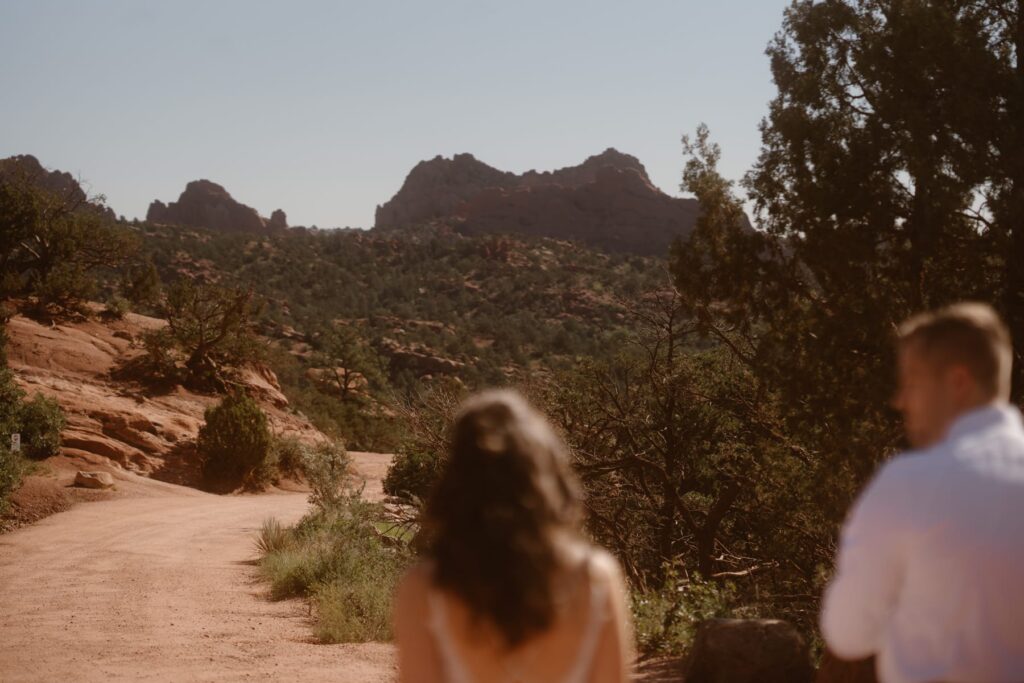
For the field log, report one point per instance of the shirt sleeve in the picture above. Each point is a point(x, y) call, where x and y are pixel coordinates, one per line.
point(862, 595)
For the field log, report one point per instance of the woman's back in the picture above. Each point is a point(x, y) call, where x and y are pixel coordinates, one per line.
point(510, 591)
point(589, 641)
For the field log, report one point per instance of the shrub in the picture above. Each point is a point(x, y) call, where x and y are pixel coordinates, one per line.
point(422, 455)
point(412, 474)
point(161, 355)
point(235, 443)
point(336, 558)
point(273, 537)
point(11, 397)
point(117, 307)
point(40, 423)
point(326, 467)
point(67, 287)
point(141, 284)
point(665, 620)
point(11, 471)
point(289, 454)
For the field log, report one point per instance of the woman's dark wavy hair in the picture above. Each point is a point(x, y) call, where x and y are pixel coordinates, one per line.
point(506, 492)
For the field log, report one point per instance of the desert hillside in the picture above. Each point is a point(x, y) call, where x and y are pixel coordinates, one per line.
point(115, 422)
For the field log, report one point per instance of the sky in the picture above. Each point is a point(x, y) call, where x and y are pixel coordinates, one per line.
point(322, 107)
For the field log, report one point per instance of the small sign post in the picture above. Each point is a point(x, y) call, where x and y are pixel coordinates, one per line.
point(15, 442)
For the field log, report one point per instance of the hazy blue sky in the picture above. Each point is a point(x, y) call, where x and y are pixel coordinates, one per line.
point(321, 108)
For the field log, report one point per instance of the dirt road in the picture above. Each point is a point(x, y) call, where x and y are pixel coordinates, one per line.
point(162, 587)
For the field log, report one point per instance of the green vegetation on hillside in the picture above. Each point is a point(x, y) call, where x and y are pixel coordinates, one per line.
point(53, 246)
point(357, 317)
point(38, 421)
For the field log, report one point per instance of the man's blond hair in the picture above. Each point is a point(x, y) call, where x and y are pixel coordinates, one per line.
point(968, 334)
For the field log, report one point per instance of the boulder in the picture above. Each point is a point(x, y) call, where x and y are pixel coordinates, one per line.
point(94, 480)
point(748, 651)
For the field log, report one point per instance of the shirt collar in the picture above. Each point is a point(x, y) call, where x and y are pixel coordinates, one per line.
point(999, 414)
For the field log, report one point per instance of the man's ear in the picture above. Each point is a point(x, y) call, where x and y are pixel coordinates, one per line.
point(962, 382)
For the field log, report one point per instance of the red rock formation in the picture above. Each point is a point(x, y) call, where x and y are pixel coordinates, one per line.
point(435, 188)
point(608, 201)
point(278, 220)
point(205, 204)
point(151, 434)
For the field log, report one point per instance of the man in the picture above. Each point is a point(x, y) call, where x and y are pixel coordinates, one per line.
point(930, 572)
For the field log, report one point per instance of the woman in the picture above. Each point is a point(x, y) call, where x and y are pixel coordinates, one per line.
point(510, 590)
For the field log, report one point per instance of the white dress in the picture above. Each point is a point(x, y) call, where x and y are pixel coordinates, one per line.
point(455, 670)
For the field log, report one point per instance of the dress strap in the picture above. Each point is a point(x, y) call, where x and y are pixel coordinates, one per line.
point(455, 670)
point(592, 634)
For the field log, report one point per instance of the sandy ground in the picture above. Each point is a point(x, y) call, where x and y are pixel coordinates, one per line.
point(159, 583)
point(161, 586)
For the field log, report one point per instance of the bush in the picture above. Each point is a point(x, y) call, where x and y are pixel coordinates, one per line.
point(161, 355)
point(423, 453)
point(11, 397)
point(117, 307)
point(235, 443)
point(41, 421)
point(665, 620)
point(412, 474)
point(289, 454)
point(11, 470)
point(326, 467)
point(67, 286)
point(336, 558)
point(272, 537)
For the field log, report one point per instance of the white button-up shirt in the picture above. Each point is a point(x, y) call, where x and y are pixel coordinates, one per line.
point(930, 571)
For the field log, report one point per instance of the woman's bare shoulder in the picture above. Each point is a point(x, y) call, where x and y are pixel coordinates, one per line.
point(411, 593)
point(604, 565)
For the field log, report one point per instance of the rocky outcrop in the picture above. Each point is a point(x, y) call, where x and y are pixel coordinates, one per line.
point(26, 168)
point(205, 204)
point(748, 651)
point(608, 201)
point(278, 220)
point(418, 359)
point(436, 188)
point(618, 211)
point(148, 433)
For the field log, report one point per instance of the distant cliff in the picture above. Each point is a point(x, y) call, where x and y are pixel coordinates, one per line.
point(608, 201)
point(205, 204)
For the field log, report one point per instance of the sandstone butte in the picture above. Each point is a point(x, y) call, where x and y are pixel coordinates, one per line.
point(205, 204)
point(608, 201)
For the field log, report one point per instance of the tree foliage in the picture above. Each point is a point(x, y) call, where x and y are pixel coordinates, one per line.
point(210, 326)
point(52, 244)
point(235, 442)
point(39, 422)
point(420, 457)
point(350, 368)
point(889, 180)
